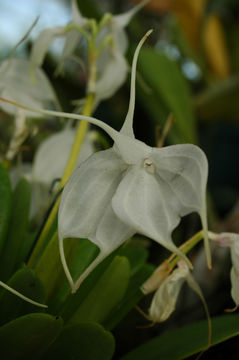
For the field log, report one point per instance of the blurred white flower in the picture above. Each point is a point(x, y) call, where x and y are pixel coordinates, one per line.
point(231, 240)
point(16, 85)
point(165, 298)
point(110, 70)
point(52, 155)
point(48, 165)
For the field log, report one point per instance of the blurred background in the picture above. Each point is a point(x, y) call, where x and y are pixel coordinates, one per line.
point(190, 68)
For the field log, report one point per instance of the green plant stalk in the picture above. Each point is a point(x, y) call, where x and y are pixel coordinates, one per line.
point(80, 135)
point(185, 248)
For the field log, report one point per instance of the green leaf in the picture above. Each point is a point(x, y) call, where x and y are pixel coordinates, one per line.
point(219, 102)
point(131, 298)
point(5, 204)
point(79, 254)
point(11, 306)
point(17, 228)
point(27, 337)
point(27, 246)
point(186, 341)
point(168, 93)
point(106, 294)
point(85, 341)
point(136, 255)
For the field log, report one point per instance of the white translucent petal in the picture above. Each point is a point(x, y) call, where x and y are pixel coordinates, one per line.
point(165, 298)
point(88, 193)
point(52, 155)
point(235, 286)
point(85, 208)
point(42, 44)
point(183, 169)
point(127, 127)
point(123, 20)
point(141, 203)
point(76, 15)
point(110, 234)
point(119, 22)
point(16, 85)
point(235, 268)
point(72, 39)
point(235, 251)
point(112, 77)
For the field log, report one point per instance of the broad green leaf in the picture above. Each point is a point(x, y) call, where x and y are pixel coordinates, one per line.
point(219, 102)
point(84, 341)
point(79, 253)
point(17, 228)
point(85, 252)
point(136, 255)
point(27, 246)
point(5, 204)
point(27, 337)
point(168, 93)
point(106, 294)
point(74, 300)
point(186, 341)
point(131, 298)
point(11, 306)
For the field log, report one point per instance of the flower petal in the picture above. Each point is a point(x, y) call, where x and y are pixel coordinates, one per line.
point(141, 203)
point(123, 20)
point(165, 298)
point(85, 209)
point(112, 77)
point(110, 234)
point(76, 15)
point(235, 269)
point(41, 45)
point(16, 84)
point(52, 155)
point(87, 194)
point(127, 127)
point(183, 169)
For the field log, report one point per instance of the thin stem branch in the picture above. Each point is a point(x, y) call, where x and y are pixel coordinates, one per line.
point(80, 135)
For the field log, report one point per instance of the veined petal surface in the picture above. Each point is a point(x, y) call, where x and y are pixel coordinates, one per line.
point(139, 202)
point(88, 194)
point(16, 85)
point(184, 168)
point(42, 43)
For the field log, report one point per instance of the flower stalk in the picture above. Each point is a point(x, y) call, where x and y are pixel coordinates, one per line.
point(75, 150)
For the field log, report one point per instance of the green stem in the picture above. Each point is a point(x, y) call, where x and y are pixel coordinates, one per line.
point(80, 29)
point(185, 248)
point(80, 135)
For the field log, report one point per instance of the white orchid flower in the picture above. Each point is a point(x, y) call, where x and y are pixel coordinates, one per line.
point(230, 240)
point(165, 298)
point(111, 68)
point(48, 165)
point(131, 188)
point(16, 85)
point(51, 157)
